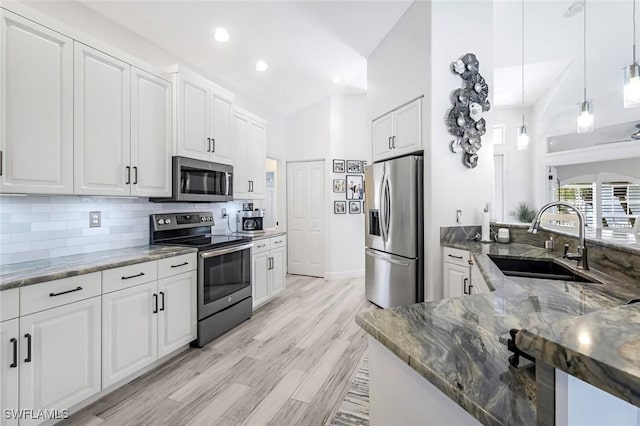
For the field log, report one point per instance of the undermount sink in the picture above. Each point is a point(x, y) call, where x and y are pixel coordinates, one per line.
point(533, 268)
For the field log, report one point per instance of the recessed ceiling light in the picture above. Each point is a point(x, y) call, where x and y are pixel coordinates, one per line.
point(337, 79)
point(261, 66)
point(221, 35)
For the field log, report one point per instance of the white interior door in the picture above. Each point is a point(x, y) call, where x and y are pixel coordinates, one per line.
point(306, 209)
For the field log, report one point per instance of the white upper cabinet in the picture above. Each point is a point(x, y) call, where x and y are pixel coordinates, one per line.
point(398, 132)
point(36, 119)
point(151, 133)
point(102, 129)
point(250, 150)
point(221, 146)
point(381, 133)
point(192, 121)
point(202, 116)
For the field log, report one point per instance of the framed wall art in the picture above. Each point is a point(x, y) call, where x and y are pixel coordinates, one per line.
point(338, 166)
point(339, 207)
point(355, 187)
point(355, 207)
point(339, 185)
point(354, 166)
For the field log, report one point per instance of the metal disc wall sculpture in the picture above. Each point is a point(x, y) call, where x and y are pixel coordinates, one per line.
point(464, 120)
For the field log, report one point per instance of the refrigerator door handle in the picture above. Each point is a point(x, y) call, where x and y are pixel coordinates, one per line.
point(387, 213)
point(387, 258)
point(382, 209)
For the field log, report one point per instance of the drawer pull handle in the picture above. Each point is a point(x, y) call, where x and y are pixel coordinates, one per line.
point(133, 276)
point(181, 264)
point(277, 242)
point(14, 364)
point(455, 257)
point(28, 337)
point(65, 292)
point(263, 245)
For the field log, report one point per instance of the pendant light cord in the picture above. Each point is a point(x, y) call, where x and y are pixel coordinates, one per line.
point(522, 70)
point(634, 32)
point(584, 46)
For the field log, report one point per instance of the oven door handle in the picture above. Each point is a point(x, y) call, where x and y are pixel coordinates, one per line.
point(219, 252)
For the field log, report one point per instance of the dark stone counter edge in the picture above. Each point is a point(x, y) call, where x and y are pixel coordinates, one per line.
point(581, 366)
point(75, 271)
point(456, 395)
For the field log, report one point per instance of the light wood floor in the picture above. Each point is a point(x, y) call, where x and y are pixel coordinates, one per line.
point(290, 364)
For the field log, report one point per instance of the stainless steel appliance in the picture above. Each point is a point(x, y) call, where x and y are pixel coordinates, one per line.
point(250, 221)
point(224, 269)
point(199, 181)
point(394, 267)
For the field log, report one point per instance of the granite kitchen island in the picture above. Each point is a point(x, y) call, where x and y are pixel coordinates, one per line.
point(458, 344)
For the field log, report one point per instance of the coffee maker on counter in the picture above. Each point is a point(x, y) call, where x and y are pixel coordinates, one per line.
point(250, 221)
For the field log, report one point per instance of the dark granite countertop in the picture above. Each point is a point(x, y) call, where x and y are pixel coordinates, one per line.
point(601, 348)
point(37, 271)
point(266, 234)
point(456, 343)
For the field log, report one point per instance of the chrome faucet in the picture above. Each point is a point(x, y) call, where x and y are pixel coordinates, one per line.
point(581, 251)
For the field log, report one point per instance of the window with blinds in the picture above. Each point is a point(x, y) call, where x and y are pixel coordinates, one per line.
point(581, 197)
point(619, 203)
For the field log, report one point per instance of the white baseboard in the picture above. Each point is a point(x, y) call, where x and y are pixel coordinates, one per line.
point(344, 275)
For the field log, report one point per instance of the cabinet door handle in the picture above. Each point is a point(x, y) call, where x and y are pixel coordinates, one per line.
point(1, 169)
point(390, 142)
point(464, 283)
point(155, 303)
point(28, 337)
point(133, 276)
point(180, 264)
point(455, 257)
point(470, 287)
point(213, 144)
point(162, 300)
point(14, 364)
point(393, 142)
point(128, 175)
point(135, 175)
point(208, 144)
point(65, 292)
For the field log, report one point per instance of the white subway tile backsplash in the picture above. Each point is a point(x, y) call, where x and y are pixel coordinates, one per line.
point(40, 227)
point(48, 226)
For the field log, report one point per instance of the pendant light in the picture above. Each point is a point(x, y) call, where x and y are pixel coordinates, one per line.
point(632, 74)
point(523, 137)
point(585, 108)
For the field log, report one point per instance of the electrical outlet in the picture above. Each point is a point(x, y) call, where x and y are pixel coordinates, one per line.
point(223, 213)
point(459, 217)
point(95, 219)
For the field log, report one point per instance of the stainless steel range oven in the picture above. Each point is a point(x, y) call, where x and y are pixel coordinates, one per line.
point(224, 270)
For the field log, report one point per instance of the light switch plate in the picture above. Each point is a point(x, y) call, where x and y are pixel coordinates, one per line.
point(95, 219)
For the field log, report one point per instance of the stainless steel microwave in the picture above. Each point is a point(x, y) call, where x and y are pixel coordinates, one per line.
point(199, 181)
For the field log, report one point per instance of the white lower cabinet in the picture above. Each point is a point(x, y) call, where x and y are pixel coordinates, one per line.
point(461, 275)
point(9, 378)
point(129, 331)
point(143, 323)
point(177, 315)
point(59, 357)
point(456, 280)
point(268, 269)
point(260, 280)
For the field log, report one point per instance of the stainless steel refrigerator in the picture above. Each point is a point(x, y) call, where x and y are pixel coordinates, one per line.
point(394, 233)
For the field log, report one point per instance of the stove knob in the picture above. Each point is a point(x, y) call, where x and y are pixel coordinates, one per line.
point(202, 219)
point(167, 221)
point(209, 218)
point(160, 221)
